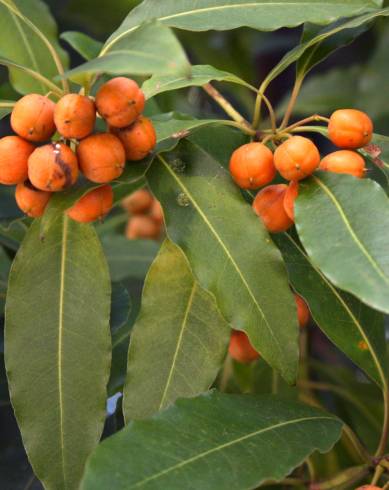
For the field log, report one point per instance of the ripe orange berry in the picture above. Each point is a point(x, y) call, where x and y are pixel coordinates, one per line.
point(14, 154)
point(252, 166)
point(368, 487)
point(52, 167)
point(138, 139)
point(303, 314)
point(94, 205)
point(30, 200)
point(344, 162)
point(349, 128)
point(120, 101)
point(142, 227)
point(32, 118)
point(269, 206)
point(101, 157)
point(138, 202)
point(290, 197)
point(156, 212)
point(75, 116)
point(241, 349)
point(296, 158)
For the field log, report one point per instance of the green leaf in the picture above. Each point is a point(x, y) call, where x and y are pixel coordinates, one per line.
point(57, 348)
point(229, 251)
point(213, 442)
point(353, 253)
point(86, 46)
point(310, 45)
point(12, 234)
point(319, 52)
point(128, 258)
point(151, 48)
point(6, 107)
point(265, 15)
point(201, 74)
point(353, 327)
point(189, 353)
point(22, 45)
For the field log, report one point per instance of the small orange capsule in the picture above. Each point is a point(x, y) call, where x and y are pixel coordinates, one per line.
point(252, 166)
point(32, 118)
point(296, 158)
point(75, 116)
point(344, 162)
point(240, 348)
point(30, 200)
point(269, 206)
point(138, 139)
point(303, 314)
point(139, 202)
point(52, 167)
point(94, 205)
point(290, 197)
point(350, 128)
point(14, 155)
point(142, 227)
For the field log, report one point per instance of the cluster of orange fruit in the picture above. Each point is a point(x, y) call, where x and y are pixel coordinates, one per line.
point(254, 165)
point(38, 171)
point(146, 216)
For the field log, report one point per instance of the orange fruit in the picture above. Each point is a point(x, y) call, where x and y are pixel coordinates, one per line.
point(120, 101)
point(138, 202)
point(240, 348)
point(30, 200)
point(101, 157)
point(350, 128)
point(142, 227)
point(303, 314)
point(52, 167)
point(252, 166)
point(138, 139)
point(290, 197)
point(14, 155)
point(269, 206)
point(296, 158)
point(32, 118)
point(344, 162)
point(75, 116)
point(93, 205)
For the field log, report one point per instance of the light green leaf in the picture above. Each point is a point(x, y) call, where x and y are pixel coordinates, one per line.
point(86, 46)
point(128, 258)
point(229, 251)
point(6, 107)
point(22, 45)
point(355, 216)
point(149, 49)
point(265, 15)
point(201, 74)
point(352, 326)
point(213, 442)
point(57, 348)
point(192, 338)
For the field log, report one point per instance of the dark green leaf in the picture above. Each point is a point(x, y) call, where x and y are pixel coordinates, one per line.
point(128, 258)
point(192, 338)
point(19, 42)
point(151, 48)
point(57, 348)
point(229, 251)
point(353, 250)
point(6, 107)
point(87, 47)
point(213, 442)
point(353, 327)
point(12, 234)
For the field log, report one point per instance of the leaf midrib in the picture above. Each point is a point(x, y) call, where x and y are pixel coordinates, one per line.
point(226, 445)
point(223, 246)
point(179, 342)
